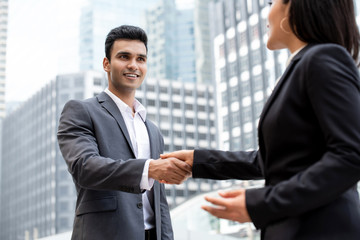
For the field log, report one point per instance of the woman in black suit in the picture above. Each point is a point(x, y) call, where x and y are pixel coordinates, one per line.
point(309, 132)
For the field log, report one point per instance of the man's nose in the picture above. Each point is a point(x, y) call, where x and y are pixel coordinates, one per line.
point(133, 65)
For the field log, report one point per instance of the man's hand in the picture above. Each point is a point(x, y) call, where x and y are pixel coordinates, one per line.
point(232, 206)
point(170, 170)
point(185, 155)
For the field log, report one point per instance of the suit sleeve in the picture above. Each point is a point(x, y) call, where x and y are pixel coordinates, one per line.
point(79, 147)
point(332, 84)
point(223, 165)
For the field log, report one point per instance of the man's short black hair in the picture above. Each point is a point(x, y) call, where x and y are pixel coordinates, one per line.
point(124, 32)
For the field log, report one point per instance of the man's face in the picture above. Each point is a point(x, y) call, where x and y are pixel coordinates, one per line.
point(127, 68)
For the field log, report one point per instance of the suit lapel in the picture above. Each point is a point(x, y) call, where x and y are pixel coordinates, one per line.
point(154, 154)
point(282, 79)
point(106, 101)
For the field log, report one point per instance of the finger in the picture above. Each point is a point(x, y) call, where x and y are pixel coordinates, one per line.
point(216, 211)
point(230, 194)
point(216, 201)
point(182, 165)
point(181, 154)
point(169, 155)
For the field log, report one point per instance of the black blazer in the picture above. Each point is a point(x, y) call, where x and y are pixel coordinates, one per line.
point(309, 151)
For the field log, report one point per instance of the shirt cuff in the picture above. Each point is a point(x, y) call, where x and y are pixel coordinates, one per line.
point(146, 183)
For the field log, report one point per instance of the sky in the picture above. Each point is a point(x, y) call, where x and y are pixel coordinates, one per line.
point(42, 43)
point(39, 34)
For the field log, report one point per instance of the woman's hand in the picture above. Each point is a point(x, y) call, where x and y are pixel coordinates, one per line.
point(231, 206)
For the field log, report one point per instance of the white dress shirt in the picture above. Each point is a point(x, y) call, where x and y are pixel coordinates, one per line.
point(139, 137)
point(289, 61)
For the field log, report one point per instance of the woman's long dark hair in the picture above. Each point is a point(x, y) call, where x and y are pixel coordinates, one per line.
point(326, 21)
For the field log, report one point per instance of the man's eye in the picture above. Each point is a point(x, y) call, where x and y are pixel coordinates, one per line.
point(142, 59)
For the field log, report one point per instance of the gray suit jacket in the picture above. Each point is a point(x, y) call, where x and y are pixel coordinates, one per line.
point(96, 146)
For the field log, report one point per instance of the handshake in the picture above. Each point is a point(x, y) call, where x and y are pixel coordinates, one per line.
point(172, 168)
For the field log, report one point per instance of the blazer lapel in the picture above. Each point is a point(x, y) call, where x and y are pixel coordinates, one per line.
point(106, 101)
point(282, 79)
point(154, 154)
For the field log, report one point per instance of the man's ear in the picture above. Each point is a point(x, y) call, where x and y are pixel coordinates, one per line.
point(106, 64)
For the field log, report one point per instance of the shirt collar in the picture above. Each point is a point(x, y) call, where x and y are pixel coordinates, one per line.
point(294, 54)
point(123, 107)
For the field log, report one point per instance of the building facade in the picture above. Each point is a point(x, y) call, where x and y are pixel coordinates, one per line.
point(98, 17)
point(3, 38)
point(37, 192)
point(245, 70)
point(185, 114)
point(161, 26)
point(202, 35)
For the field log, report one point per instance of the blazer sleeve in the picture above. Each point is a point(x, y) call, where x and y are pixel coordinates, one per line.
point(332, 85)
point(79, 147)
point(223, 165)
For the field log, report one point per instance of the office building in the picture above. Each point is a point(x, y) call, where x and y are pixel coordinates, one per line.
point(38, 194)
point(245, 70)
point(98, 17)
point(3, 38)
point(161, 26)
point(185, 114)
point(202, 34)
point(185, 44)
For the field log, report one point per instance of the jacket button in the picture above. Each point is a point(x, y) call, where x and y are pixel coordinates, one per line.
point(139, 205)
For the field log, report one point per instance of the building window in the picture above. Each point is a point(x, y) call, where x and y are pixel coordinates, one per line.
point(256, 57)
point(190, 135)
point(223, 74)
point(97, 81)
point(244, 64)
point(177, 119)
point(176, 105)
point(248, 141)
point(234, 94)
point(224, 98)
point(151, 102)
point(258, 83)
point(225, 123)
point(222, 51)
point(235, 119)
point(232, 69)
point(163, 90)
point(232, 44)
point(189, 121)
point(247, 114)
point(189, 107)
point(245, 89)
point(201, 108)
point(242, 39)
point(163, 104)
point(202, 136)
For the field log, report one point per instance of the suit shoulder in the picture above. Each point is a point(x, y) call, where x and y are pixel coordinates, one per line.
point(84, 102)
point(327, 49)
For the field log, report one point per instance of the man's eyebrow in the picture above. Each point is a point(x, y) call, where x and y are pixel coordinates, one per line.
point(142, 55)
point(128, 53)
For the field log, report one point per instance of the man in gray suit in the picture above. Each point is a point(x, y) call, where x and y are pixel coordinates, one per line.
point(109, 147)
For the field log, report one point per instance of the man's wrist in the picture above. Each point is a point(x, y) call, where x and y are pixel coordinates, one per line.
point(146, 182)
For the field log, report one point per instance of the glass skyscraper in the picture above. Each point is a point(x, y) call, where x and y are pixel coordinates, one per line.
point(245, 70)
point(3, 38)
point(98, 17)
